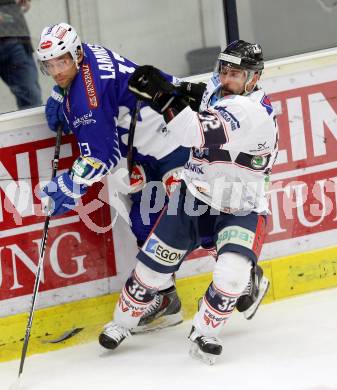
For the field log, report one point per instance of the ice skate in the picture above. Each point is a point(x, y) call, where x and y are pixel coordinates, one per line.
point(164, 311)
point(252, 297)
point(112, 335)
point(204, 348)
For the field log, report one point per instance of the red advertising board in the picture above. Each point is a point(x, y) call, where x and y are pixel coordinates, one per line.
point(303, 191)
point(74, 253)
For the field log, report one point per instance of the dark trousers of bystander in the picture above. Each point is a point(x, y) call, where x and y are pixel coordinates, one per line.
point(19, 72)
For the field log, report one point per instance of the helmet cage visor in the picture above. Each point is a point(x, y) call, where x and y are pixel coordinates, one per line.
point(56, 65)
point(244, 63)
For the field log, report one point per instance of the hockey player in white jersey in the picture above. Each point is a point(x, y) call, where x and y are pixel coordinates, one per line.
point(233, 141)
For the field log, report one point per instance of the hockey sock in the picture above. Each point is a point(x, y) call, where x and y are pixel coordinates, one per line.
point(134, 299)
point(217, 306)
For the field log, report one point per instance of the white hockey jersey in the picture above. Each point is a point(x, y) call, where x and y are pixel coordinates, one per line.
point(234, 146)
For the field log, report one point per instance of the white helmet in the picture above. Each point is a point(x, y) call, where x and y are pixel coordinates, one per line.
point(57, 40)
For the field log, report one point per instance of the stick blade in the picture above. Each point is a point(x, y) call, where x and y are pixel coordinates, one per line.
point(65, 336)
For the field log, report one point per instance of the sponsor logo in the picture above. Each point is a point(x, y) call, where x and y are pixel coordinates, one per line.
point(137, 313)
point(162, 130)
point(68, 104)
point(213, 323)
point(83, 165)
point(229, 118)
point(259, 162)
point(50, 29)
point(163, 253)
point(80, 168)
point(196, 168)
point(235, 235)
point(260, 147)
point(200, 152)
point(266, 103)
point(84, 120)
point(46, 44)
point(60, 33)
point(171, 180)
point(257, 49)
point(126, 305)
point(89, 86)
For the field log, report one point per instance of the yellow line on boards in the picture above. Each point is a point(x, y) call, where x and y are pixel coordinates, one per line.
point(289, 276)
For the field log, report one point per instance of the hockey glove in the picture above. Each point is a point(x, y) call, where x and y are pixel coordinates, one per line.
point(192, 93)
point(61, 194)
point(148, 84)
point(54, 111)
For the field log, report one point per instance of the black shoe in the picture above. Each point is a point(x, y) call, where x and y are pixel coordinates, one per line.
point(164, 311)
point(204, 348)
point(113, 335)
point(254, 293)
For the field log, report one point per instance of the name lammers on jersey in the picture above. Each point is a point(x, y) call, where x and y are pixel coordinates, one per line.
point(161, 252)
point(104, 62)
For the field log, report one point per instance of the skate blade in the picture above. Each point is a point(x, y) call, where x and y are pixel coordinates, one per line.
point(196, 353)
point(263, 289)
point(159, 323)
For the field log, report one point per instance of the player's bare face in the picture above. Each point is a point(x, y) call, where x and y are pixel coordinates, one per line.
point(232, 80)
point(63, 69)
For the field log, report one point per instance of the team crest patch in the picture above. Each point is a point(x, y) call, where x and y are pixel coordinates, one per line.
point(259, 162)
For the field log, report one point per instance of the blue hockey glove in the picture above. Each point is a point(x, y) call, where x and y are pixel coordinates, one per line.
point(64, 194)
point(54, 111)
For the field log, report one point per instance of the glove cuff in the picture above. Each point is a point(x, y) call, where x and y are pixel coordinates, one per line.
point(70, 188)
point(56, 96)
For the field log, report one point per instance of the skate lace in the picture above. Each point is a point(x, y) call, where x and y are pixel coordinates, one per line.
point(153, 306)
point(209, 340)
point(248, 289)
point(115, 331)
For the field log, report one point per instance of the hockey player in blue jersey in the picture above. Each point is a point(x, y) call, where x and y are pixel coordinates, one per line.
point(93, 101)
point(96, 102)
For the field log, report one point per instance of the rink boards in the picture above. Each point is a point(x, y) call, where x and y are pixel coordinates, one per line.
point(86, 261)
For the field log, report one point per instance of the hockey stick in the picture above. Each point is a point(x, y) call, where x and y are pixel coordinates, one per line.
point(40, 264)
point(129, 157)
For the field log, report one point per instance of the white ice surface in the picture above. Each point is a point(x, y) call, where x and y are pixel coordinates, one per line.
point(289, 345)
